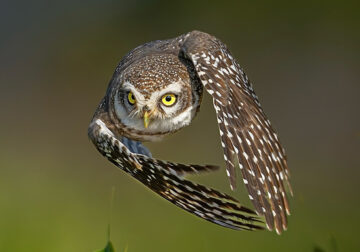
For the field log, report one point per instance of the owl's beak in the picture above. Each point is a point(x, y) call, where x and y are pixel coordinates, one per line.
point(146, 119)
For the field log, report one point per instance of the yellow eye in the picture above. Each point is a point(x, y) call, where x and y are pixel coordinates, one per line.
point(131, 98)
point(168, 99)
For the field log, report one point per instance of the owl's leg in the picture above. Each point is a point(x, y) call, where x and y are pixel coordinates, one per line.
point(136, 147)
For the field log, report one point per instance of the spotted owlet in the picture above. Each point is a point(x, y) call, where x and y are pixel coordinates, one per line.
point(156, 90)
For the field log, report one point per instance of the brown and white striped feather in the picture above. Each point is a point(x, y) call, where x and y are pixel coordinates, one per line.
point(244, 128)
point(166, 179)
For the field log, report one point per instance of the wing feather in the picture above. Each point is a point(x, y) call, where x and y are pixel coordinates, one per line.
point(166, 179)
point(244, 128)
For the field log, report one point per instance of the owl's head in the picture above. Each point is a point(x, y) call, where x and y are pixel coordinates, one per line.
point(156, 95)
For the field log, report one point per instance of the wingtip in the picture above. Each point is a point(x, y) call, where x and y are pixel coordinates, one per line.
point(284, 227)
point(278, 231)
point(232, 187)
point(212, 167)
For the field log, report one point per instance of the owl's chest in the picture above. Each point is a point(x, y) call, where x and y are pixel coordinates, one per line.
point(141, 137)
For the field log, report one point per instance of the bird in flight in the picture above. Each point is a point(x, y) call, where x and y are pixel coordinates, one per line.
point(156, 90)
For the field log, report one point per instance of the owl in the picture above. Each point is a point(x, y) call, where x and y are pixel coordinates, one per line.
point(155, 91)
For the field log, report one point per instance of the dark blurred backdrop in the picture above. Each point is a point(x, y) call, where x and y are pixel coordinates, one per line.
point(57, 57)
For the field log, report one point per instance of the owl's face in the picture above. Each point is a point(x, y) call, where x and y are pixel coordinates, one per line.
point(156, 95)
point(163, 110)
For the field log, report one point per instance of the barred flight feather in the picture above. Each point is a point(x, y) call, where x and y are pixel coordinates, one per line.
point(244, 128)
point(166, 179)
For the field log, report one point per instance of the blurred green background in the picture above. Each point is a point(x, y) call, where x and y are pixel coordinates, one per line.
point(56, 60)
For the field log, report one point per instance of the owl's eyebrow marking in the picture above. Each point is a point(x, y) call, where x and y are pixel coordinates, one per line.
point(128, 85)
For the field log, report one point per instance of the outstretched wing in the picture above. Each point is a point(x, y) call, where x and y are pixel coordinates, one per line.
point(166, 179)
point(245, 130)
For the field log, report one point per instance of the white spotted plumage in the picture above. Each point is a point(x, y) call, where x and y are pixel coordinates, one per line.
point(260, 145)
point(188, 64)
